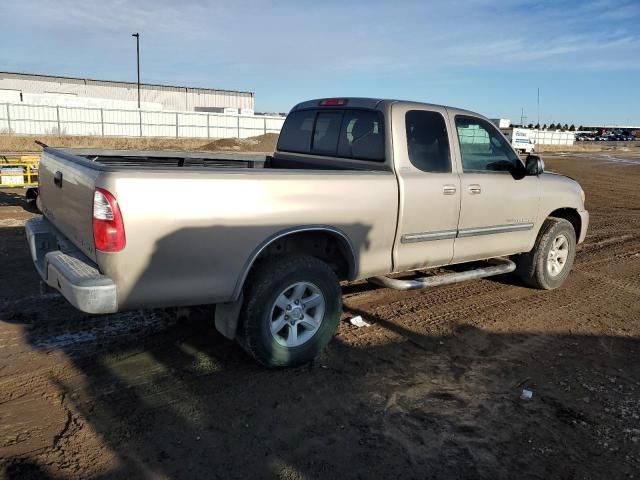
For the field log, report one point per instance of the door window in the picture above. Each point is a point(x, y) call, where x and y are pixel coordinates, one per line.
point(427, 141)
point(483, 148)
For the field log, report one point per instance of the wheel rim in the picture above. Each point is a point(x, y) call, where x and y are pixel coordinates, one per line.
point(558, 255)
point(297, 314)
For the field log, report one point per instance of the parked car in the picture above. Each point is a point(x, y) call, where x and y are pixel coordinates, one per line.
point(356, 189)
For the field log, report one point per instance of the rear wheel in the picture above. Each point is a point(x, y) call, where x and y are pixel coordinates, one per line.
point(291, 311)
point(548, 265)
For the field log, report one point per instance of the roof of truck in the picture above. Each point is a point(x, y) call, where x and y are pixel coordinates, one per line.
point(371, 103)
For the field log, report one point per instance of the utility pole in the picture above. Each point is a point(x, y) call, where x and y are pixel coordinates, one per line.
point(523, 119)
point(538, 105)
point(539, 126)
point(137, 35)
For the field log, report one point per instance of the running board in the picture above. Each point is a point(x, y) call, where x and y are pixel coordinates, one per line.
point(501, 265)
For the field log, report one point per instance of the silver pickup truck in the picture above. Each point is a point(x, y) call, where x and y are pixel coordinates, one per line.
point(356, 189)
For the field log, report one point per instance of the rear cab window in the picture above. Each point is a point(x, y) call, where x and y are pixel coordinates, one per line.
point(349, 133)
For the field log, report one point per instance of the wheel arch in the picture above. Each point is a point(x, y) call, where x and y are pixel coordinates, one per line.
point(572, 216)
point(323, 241)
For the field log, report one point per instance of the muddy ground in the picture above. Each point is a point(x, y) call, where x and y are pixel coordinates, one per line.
point(430, 390)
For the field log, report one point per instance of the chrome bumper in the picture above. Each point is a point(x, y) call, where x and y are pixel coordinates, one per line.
point(68, 270)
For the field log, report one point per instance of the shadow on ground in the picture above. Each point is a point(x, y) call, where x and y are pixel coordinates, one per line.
point(16, 198)
point(187, 403)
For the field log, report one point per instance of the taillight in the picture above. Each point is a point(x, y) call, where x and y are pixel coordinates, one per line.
point(108, 229)
point(333, 102)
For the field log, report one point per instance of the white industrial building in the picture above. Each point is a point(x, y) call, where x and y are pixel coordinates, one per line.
point(47, 105)
point(78, 92)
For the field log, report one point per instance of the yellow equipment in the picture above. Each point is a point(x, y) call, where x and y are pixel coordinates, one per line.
point(19, 171)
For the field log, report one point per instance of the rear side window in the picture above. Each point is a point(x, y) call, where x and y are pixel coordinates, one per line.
point(296, 132)
point(427, 141)
point(357, 134)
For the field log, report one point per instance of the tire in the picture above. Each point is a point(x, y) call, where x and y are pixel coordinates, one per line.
point(536, 267)
point(277, 281)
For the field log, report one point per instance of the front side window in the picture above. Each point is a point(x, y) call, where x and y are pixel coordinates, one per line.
point(483, 148)
point(427, 141)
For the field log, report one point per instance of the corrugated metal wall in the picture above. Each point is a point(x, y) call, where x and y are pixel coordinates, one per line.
point(171, 98)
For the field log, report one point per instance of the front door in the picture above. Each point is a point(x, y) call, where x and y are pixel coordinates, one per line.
point(497, 211)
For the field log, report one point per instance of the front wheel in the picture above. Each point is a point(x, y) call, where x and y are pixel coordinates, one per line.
point(548, 265)
point(291, 311)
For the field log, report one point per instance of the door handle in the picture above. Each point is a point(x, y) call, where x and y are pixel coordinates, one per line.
point(57, 179)
point(449, 190)
point(474, 189)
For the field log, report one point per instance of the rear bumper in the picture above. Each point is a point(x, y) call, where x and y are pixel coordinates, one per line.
point(68, 270)
point(584, 224)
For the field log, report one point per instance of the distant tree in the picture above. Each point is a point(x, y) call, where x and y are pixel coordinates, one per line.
point(530, 125)
point(580, 128)
point(572, 128)
point(565, 127)
point(537, 127)
point(552, 126)
point(544, 127)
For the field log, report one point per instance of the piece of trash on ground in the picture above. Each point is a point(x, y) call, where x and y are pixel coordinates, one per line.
point(526, 394)
point(359, 322)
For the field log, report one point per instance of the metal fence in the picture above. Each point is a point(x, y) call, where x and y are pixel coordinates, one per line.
point(21, 119)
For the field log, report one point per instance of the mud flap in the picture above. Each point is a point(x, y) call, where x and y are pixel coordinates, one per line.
point(226, 317)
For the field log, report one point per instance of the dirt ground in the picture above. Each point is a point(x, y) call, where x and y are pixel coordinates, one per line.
point(430, 390)
point(16, 144)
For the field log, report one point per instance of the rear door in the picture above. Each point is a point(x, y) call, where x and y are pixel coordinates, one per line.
point(497, 211)
point(66, 193)
point(429, 187)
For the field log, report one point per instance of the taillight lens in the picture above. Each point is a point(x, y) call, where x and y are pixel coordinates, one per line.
point(108, 229)
point(333, 102)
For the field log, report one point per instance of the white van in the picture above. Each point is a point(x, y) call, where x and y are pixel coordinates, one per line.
point(521, 139)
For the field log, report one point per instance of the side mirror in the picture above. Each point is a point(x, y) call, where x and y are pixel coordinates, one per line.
point(534, 165)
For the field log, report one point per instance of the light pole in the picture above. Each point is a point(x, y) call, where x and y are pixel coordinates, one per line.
point(137, 35)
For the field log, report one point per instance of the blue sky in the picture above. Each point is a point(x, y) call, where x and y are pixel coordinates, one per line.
point(487, 56)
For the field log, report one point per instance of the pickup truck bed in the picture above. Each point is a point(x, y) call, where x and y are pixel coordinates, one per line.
point(225, 207)
point(166, 159)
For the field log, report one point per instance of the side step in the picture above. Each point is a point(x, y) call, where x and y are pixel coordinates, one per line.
point(501, 265)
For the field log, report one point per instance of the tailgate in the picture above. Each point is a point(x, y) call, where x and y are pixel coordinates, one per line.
point(66, 185)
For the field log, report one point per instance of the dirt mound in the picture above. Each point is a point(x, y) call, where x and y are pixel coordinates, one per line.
point(26, 144)
point(261, 143)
